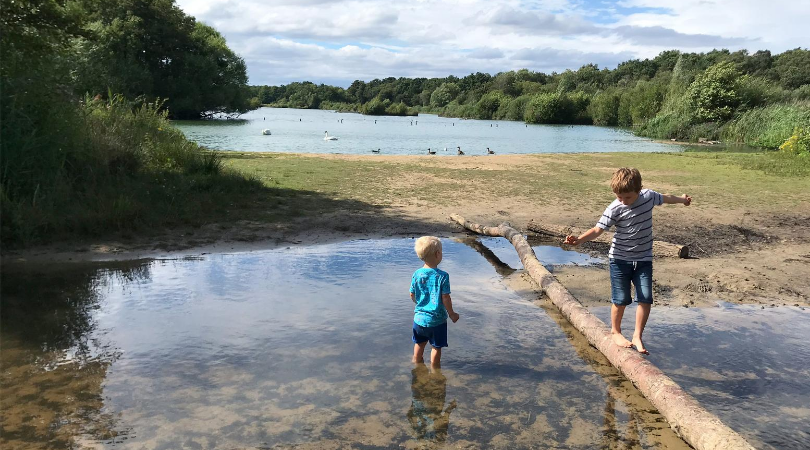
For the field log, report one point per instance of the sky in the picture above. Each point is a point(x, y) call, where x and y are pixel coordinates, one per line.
point(337, 42)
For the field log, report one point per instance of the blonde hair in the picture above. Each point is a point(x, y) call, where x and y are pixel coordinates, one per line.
point(427, 246)
point(625, 180)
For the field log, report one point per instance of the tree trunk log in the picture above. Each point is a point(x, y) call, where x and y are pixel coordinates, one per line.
point(698, 427)
point(660, 248)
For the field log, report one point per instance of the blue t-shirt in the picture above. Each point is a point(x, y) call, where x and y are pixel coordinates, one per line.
point(427, 287)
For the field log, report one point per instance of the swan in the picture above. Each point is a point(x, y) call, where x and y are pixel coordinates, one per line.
point(326, 137)
point(430, 152)
point(490, 152)
point(459, 151)
point(266, 132)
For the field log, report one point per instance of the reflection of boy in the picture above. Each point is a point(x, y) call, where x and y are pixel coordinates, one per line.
point(631, 253)
point(430, 290)
point(427, 417)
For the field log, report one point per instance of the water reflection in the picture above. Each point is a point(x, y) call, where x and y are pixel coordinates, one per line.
point(307, 348)
point(428, 416)
point(55, 360)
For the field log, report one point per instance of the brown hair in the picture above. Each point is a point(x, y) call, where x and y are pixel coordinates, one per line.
point(626, 180)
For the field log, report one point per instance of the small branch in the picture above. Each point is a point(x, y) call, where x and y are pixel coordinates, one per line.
point(660, 248)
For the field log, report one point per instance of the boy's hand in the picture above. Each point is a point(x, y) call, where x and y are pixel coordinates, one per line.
point(687, 200)
point(571, 240)
point(454, 317)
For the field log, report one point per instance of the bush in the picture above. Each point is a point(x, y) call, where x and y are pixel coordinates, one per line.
point(121, 166)
point(798, 143)
point(666, 126)
point(400, 109)
point(604, 108)
point(549, 108)
point(489, 104)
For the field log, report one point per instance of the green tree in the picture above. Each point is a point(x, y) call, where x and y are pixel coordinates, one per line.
point(151, 48)
point(793, 67)
point(714, 93)
point(444, 94)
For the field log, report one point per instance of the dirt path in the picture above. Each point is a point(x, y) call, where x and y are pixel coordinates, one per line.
point(747, 249)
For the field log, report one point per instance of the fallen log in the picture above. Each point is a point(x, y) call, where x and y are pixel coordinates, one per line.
point(694, 424)
point(660, 248)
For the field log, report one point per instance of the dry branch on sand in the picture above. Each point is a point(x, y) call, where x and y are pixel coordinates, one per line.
point(660, 248)
point(698, 427)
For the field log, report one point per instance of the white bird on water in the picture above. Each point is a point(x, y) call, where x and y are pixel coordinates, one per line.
point(266, 132)
point(326, 137)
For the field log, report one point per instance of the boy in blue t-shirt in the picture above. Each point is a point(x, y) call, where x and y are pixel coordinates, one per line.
point(430, 290)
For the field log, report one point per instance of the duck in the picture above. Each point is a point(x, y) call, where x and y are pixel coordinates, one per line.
point(326, 137)
point(431, 152)
point(266, 132)
point(459, 151)
point(375, 151)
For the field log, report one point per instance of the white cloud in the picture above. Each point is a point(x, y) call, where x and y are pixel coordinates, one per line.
point(339, 41)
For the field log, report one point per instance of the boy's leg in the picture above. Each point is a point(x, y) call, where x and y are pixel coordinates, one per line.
point(616, 314)
point(419, 352)
point(642, 314)
point(621, 273)
point(437, 341)
point(642, 279)
point(436, 358)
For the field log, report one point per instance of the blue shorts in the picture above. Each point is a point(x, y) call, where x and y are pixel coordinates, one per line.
point(622, 273)
point(436, 335)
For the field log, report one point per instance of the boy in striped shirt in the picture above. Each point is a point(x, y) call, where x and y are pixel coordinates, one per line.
point(631, 250)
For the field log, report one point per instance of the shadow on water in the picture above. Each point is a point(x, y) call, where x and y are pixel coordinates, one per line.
point(303, 348)
point(54, 364)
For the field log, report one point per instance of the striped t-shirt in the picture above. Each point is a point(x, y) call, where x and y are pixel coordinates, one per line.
point(633, 240)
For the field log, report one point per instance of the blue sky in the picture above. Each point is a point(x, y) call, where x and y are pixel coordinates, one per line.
point(336, 42)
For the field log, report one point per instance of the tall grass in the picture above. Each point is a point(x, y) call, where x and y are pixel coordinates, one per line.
point(770, 126)
point(103, 166)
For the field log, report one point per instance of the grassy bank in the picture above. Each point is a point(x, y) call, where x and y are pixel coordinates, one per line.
point(720, 179)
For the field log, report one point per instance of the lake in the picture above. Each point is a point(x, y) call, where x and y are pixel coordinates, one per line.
point(309, 348)
point(302, 131)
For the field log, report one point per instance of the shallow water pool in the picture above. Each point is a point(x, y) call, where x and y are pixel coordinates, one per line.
point(310, 348)
point(302, 347)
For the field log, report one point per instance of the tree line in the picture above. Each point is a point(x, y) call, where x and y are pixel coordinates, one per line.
point(674, 95)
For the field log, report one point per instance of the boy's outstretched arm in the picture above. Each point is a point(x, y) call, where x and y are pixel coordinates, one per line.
point(448, 305)
point(685, 199)
point(589, 235)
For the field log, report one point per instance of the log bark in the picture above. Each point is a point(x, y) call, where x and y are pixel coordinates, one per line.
point(660, 248)
point(694, 424)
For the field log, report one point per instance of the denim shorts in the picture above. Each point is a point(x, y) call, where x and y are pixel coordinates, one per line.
point(436, 335)
point(622, 273)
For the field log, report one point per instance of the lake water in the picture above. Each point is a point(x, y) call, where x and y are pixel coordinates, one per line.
point(309, 347)
point(302, 131)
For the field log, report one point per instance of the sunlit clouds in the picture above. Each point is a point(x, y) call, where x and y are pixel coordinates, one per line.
point(336, 42)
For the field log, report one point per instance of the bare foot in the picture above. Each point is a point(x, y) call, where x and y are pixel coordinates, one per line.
point(639, 345)
point(621, 341)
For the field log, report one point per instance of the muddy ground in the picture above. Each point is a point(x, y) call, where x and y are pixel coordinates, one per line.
point(739, 254)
